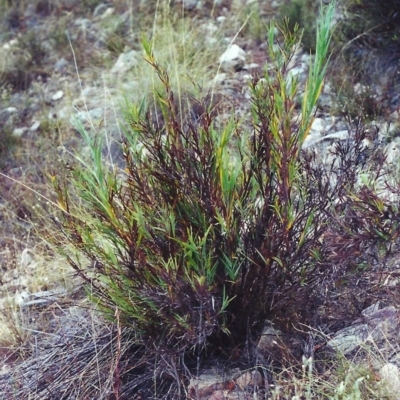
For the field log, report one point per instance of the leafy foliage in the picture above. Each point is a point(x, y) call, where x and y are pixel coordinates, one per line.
point(210, 230)
point(207, 224)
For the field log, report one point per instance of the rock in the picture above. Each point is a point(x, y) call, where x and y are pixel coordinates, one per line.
point(108, 12)
point(390, 379)
point(233, 59)
point(392, 152)
point(318, 137)
point(297, 66)
point(126, 62)
point(207, 383)
point(318, 125)
point(214, 384)
point(325, 98)
point(311, 139)
point(268, 345)
point(360, 89)
point(209, 29)
point(60, 65)
point(57, 95)
point(219, 78)
point(8, 115)
point(100, 9)
point(249, 378)
point(96, 113)
point(274, 346)
point(188, 5)
point(27, 258)
point(10, 110)
point(18, 132)
point(349, 339)
point(35, 126)
point(21, 297)
point(379, 327)
point(86, 116)
point(251, 66)
point(83, 23)
point(340, 135)
point(371, 309)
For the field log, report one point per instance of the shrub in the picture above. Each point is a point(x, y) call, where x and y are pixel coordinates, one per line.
point(210, 230)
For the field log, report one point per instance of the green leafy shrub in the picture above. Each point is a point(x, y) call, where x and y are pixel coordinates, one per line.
point(210, 230)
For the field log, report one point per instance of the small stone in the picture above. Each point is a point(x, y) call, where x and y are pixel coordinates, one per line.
point(360, 89)
point(35, 126)
point(221, 18)
point(311, 139)
point(318, 125)
point(26, 258)
point(11, 110)
point(252, 378)
point(108, 12)
point(87, 116)
point(96, 113)
point(340, 135)
point(57, 95)
point(60, 64)
point(21, 297)
point(210, 28)
point(371, 309)
point(11, 43)
point(125, 62)
point(269, 344)
point(211, 41)
point(390, 379)
point(233, 58)
point(251, 66)
point(19, 132)
point(189, 5)
point(100, 9)
point(219, 78)
point(83, 23)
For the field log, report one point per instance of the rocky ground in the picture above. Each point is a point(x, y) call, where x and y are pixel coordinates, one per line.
point(66, 64)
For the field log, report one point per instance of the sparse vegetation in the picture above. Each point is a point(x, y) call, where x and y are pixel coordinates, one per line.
point(7, 143)
point(367, 40)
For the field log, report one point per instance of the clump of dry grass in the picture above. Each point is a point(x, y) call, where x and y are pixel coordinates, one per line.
point(76, 357)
